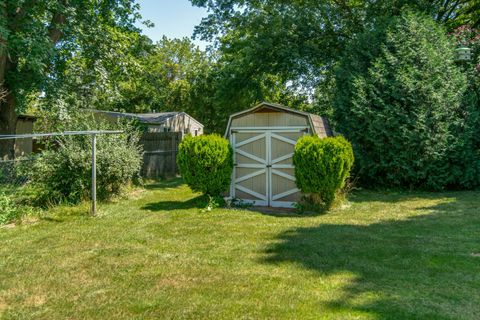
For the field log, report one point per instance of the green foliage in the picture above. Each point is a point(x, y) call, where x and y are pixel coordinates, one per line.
point(322, 166)
point(296, 43)
point(469, 136)
point(176, 75)
point(8, 209)
point(63, 173)
point(398, 101)
point(462, 12)
point(206, 163)
point(95, 80)
point(41, 37)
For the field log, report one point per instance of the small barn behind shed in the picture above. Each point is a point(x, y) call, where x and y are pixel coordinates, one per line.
point(24, 147)
point(157, 122)
point(160, 141)
point(263, 139)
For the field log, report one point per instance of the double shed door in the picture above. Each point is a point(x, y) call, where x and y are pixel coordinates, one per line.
point(264, 172)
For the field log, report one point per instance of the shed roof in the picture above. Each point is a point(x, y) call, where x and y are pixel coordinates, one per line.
point(27, 117)
point(320, 125)
point(146, 118)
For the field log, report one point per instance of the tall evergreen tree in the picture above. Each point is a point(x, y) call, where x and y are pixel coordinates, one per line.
point(399, 100)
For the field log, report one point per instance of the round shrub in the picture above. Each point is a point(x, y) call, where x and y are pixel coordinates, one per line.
point(206, 163)
point(398, 101)
point(322, 166)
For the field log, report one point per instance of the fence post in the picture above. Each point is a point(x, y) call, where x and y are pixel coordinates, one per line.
point(94, 174)
point(174, 153)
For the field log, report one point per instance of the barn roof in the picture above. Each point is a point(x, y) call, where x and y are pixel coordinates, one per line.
point(320, 125)
point(146, 118)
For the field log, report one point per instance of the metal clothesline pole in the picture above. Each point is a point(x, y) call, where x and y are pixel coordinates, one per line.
point(73, 133)
point(94, 174)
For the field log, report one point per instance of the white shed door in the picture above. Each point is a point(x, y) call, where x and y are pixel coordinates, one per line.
point(264, 171)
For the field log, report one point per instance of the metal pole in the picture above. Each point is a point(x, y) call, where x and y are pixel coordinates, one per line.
point(94, 174)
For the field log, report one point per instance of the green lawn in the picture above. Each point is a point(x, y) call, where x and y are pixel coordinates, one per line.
point(384, 256)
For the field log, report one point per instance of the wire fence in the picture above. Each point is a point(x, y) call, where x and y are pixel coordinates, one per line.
point(15, 173)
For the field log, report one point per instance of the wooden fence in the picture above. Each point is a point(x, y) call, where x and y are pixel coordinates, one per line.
point(160, 154)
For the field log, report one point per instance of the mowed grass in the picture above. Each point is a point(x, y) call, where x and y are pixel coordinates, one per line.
point(384, 256)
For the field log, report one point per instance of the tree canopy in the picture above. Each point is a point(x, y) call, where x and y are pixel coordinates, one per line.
point(39, 38)
point(299, 42)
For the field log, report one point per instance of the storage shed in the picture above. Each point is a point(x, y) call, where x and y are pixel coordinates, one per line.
point(263, 139)
point(24, 147)
point(157, 121)
point(160, 141)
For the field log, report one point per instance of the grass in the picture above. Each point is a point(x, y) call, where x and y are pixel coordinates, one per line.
point(384, 256)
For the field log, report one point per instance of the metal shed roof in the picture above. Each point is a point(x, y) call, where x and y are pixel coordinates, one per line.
point(146, 118)
point(320, 125)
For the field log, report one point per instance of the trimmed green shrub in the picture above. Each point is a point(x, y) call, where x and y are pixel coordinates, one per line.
point(206, 163)
point(398, 101)
point(63, 174)
point(322, 166)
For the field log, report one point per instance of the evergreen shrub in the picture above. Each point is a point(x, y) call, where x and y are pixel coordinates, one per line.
point(206, 163)
point(322, 166)
point(399, 101)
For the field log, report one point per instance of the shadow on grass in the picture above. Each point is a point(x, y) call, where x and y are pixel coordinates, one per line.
point(164, 184)
point(424, 267)
point(285, 212)
point(199, 202)
point(52, 219)
point(394, 196)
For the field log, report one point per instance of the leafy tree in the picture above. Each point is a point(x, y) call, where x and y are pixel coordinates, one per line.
point(398, 101)
point(175, 75)
point(95, 81)
point(38, 38)
point(299, 42)
point(164, 79)
point(459, 12)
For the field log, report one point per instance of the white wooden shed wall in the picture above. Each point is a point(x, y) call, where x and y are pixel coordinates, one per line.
point(263, 139)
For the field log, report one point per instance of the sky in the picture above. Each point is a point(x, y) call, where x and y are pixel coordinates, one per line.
point(173, 18)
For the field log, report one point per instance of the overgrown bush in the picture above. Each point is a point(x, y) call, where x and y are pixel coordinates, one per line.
point(322, 166)
point(64, 172)
point(8, 210)
point(398, 100)
point(13, 206)
point(206, 163)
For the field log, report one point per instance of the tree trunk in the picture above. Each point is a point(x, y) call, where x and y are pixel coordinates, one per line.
point(8, 117)
point(8, 124)
point(9, 63)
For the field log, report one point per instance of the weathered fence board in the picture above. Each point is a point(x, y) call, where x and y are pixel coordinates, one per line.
point(160, 154)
